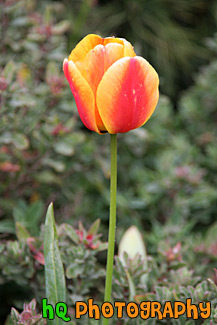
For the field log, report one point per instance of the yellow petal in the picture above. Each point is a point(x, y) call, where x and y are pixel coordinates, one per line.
point(128, 48)
point(84, 46)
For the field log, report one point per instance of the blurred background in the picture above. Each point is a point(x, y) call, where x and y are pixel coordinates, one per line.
point(167, 174)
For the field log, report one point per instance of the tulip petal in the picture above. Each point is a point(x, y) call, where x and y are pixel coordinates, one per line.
point(127, 94)
point(128, 48)
point(90, 41)
point(84, 46)
point(97, 61)
point(83, 95)
point(113, 53)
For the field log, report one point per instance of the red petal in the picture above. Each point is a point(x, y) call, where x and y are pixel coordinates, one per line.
point(127, 94)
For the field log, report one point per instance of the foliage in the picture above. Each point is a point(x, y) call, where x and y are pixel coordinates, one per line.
point(23, 262)
point(28, 315)
point(38, 133)
point(46, 156)
point(79, 249)
point(170, 274)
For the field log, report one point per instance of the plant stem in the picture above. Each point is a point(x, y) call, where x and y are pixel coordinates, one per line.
point(112, 223)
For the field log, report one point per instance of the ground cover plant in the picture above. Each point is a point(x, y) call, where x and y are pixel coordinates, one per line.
point(166, 179)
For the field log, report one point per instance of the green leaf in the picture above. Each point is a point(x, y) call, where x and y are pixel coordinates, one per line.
point(64, 148)
point(21, 232)
point(61, 27)
point(94, 228)
point(9, 71)
point(28, 215)
point(20, 141)
point(47, 177)
point(177, 265)
point(132, 289)
point(21, 21)
point(58, 166)
point(14, 315)
point(7, 226)
point(54, 272)
point(70, 231)
point(212, 283)
point(52, 70)
point(102, 247)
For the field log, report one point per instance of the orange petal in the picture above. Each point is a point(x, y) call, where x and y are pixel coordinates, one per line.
point(127, 94)
point(83, 95)
point(97, 61)
point(84, 46)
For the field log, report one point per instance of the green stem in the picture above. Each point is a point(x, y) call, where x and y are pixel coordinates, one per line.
point(112, 223)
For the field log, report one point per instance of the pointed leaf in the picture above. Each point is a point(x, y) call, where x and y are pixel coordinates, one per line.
point(70, 231)
point(21, 232)
point(54, 273)
point(132, 289)
point(9, 71)
point(94, 228)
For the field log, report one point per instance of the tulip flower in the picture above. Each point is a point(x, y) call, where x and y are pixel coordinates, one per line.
point(115, 91)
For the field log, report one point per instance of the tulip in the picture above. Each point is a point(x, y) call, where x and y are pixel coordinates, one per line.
point(115, 91)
